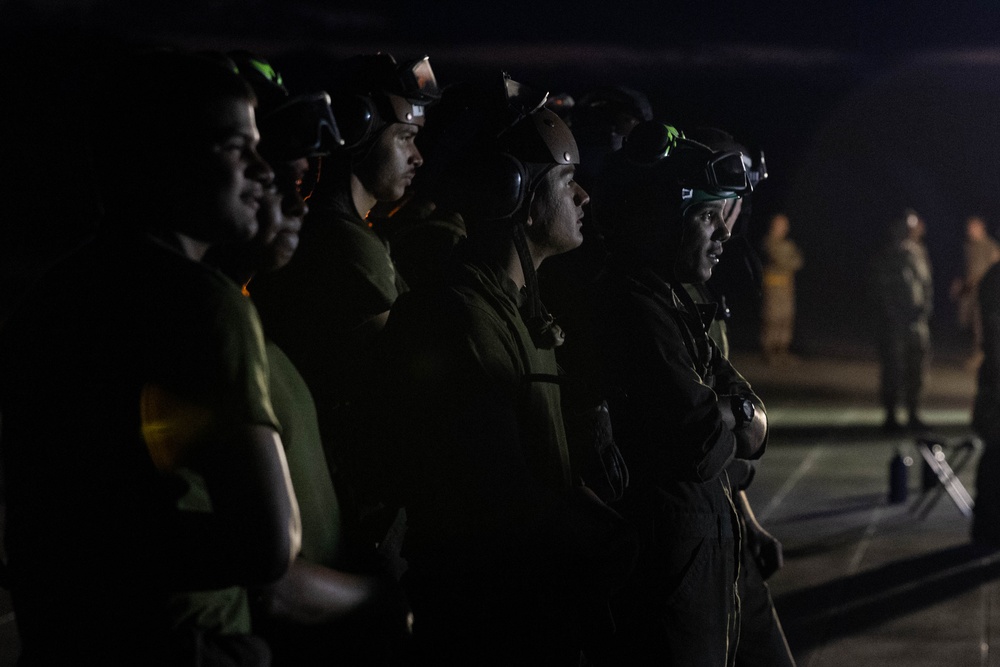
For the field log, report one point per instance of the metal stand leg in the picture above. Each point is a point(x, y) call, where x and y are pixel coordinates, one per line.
point(947, 476)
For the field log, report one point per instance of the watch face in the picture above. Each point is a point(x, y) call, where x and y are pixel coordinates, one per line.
point(743, 409)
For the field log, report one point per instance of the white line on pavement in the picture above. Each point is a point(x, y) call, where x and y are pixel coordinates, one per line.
point(807, 463)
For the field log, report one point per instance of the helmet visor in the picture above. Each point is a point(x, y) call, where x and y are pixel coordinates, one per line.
point(523, 100)
point(417, 82)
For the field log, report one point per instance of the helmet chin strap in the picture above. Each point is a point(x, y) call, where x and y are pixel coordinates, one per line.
point(544, 331)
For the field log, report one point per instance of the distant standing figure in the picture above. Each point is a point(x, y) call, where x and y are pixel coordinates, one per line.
point(985, 413)
point(904, 295)
point(783, 259)
point(981, 252)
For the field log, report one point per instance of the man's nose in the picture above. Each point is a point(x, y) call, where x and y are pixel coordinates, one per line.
point(259, 170)
point(722, 232)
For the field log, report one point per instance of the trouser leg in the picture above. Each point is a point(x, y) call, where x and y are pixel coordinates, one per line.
point(762, 640)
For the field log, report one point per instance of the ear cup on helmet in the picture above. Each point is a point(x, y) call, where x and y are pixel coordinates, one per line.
point(488, 188)
point(509, 179)
point(357, 118)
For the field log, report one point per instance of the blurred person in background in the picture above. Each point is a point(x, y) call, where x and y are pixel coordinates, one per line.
point(782, 260)
point(981, 251)
point(985, 531)
point(904, 297)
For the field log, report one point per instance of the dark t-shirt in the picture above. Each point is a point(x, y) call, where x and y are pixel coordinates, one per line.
point(122, 361)
point(340, 277)
point(307, 464)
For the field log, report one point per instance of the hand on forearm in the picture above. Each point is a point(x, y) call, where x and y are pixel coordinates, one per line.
point(763, 547)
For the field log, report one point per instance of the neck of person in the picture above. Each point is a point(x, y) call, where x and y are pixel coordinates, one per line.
point(192, 248)
point(362, 197)
point(513, 264)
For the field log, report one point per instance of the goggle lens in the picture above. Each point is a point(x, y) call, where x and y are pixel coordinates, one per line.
point(727, 171)
point(303, 127)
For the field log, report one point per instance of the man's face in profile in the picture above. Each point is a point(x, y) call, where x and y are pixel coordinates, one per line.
point(228, 177)
point(392, 162)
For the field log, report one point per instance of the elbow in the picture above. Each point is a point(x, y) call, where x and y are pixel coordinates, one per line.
point(287, 545)
point(273, 550)
point(272, 559)
point(267, 600)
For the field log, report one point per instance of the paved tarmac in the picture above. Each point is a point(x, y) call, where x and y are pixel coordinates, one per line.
point(866, 582)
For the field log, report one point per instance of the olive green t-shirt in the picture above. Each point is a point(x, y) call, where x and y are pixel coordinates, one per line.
point(124, 359)
point(314, 490)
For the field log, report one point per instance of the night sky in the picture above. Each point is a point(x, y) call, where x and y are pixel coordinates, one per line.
point(863, 108)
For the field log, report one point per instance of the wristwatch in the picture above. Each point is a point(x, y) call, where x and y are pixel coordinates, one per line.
point(743, 409)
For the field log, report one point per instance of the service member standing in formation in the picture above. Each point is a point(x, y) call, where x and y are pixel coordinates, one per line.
point(141, 451)
point(681, 413)
point(327, 308)
point(904, 295)
point(510, 561)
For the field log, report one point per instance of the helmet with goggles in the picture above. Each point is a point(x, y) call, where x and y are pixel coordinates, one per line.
point(371, 92)
point(291, 126)
point(650, 183)
point(498, 142)
point(701, 173)
point(721, 141)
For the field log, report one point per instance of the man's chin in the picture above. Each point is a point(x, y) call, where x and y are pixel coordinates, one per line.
point(694, 277)
point(246, 231)
point(240, 229)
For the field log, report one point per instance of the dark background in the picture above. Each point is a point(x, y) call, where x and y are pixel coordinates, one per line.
point(862, 108)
